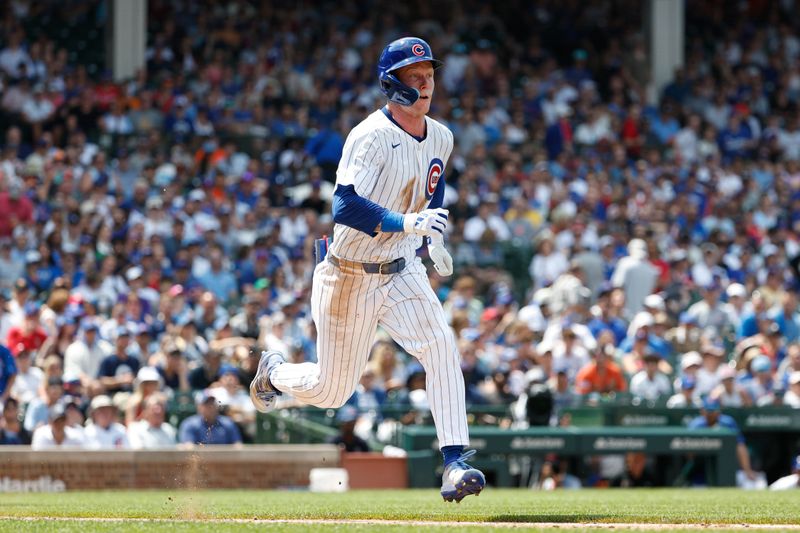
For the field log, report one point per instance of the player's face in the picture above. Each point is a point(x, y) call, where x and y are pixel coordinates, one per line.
point(420, 77)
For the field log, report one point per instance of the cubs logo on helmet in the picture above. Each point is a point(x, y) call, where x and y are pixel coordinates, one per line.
point(417, 49)
point(435, 170)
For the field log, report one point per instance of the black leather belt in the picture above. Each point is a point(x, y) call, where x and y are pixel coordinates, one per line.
point(389, 267)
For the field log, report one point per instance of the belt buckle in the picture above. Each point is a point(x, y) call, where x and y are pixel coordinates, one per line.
point(386, 264)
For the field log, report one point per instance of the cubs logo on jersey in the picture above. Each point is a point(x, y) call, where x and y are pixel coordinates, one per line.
point(435, 170)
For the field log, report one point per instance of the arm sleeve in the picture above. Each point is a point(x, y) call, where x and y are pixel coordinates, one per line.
point(359, 213)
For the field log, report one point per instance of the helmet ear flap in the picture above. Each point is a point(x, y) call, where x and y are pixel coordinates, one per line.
point(397, 91)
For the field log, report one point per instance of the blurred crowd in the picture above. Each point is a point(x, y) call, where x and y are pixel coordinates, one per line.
point(156, 233)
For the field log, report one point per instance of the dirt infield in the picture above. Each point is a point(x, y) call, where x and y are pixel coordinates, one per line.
point(424, 523)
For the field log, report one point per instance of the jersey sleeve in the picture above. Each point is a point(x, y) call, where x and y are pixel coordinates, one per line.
point(361, 163)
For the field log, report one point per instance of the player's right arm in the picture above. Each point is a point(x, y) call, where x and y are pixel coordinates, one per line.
point(359, 170)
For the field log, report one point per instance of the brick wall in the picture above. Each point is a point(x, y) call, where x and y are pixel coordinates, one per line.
point(209, 467)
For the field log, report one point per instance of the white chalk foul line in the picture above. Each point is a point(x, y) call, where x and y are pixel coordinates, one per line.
point(419, 523)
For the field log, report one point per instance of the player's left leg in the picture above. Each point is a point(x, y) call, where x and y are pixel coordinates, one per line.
point(414, 317)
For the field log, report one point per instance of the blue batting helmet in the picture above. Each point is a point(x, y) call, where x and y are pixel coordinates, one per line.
point(399, 54)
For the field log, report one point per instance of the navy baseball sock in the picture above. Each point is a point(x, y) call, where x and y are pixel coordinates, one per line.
point(451, 454)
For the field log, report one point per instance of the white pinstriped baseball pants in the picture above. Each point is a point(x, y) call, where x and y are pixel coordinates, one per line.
point(347, 306)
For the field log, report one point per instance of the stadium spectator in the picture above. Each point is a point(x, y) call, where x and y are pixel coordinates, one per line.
point(686, 396)
point(56, 433)
point(36, 414)
point(85, 355)
point(12, 431)
point(148, 381)
point(118, 370)
point(28, 380)
point(104, 432)
point(650, 384)
point(635, 275)
point(152, 431)
point(208, 426)
point(232, 396)
point(347, 440)
point(602, 375)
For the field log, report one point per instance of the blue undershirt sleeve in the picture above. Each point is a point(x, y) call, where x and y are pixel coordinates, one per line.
point(359, 213)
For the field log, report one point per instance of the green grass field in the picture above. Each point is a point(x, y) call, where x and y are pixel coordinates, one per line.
point(403, 510)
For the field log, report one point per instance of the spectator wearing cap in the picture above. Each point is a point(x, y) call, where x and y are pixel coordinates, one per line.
point(105, 432)
point(208, 426)
point(635, 275)
point(56, 433)
point(118, 370)
point(174, 369)
point(12, 431)
point(737, 306)
point(709, 312)
point(29, 333)
point(792, 481)
point(8, 373)
point(232, 396)
point(649, 383)
point(347, 440)
point(36, 413)
point(28, 380)
point(759, 384)
point(148, 382)
point(729, 392)
point(787, 317)
point(686, 336)
point(708, 375)
point(710, 417)
point(569, 353)
point(686, 396)
point(85, 355)
point(602, 375)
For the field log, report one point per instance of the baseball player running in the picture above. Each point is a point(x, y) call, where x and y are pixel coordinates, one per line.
point(389, 191)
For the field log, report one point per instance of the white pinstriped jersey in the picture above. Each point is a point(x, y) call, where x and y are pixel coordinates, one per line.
point(395, 170)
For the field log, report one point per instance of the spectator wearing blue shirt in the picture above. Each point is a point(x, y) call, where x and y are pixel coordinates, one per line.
point(788, 318)
point(711, 418)
point(8, 372)
point(218, 279)
point(208, 426)
point(118, 370)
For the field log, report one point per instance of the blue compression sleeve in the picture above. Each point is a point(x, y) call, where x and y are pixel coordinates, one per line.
point(359, 213)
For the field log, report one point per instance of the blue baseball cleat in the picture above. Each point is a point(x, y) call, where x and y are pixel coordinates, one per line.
point(459, 480)
point(262, 393)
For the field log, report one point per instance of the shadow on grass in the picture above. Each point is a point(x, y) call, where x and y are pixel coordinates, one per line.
point(542, 518)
